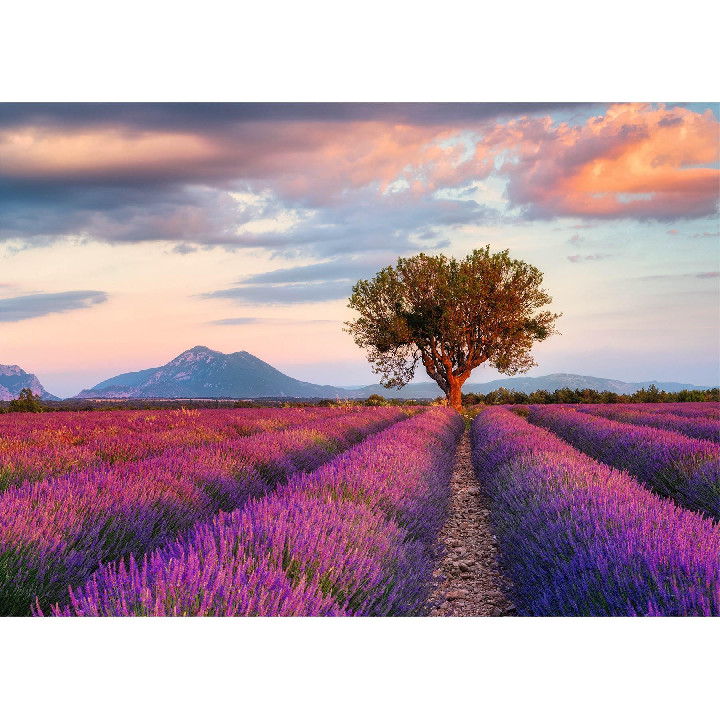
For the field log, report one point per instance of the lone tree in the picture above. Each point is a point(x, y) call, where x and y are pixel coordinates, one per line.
point(452, 316)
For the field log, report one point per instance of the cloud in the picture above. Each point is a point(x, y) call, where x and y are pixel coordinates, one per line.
point(269, 321)
point(587, 258)
point(288, 294)
point(237, 321)
point(316, 282)
point(196, 117)
point(635, 161)
point(339, 269)
point(675, 276)
point(705, 234)
point(576, 239)
point(338, 174)
point(24, 307)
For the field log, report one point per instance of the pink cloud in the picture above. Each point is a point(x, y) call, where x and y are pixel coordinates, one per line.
point(635, 161)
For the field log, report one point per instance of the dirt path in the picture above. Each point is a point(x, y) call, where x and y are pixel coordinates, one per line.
point(471, 581)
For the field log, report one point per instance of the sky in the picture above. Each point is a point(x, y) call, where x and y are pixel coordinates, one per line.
point(132, 232)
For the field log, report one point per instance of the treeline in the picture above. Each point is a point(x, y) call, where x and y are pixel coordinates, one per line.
point(28, 402)
point(503, 396)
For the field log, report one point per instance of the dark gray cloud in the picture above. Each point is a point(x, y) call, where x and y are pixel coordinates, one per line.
point(288, 294)
point(24, 307)
point(316, 282)
point(338, 269)
point(209, 117)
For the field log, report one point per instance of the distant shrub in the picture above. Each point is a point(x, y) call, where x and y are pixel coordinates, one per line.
point(26, 402)
point(566, 396)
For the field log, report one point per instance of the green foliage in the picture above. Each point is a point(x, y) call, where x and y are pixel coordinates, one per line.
point(376, 400)
point(502, 396)
point(451, 316)
point(26, 402)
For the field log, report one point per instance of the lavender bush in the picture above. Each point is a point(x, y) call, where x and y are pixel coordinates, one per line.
point(358, 536)
point(55, 533)
point(580, 538)
point(34, 447)
point(699, 427)
point(670, 464)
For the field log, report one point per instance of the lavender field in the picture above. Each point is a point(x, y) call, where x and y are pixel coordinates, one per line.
point(596, 510)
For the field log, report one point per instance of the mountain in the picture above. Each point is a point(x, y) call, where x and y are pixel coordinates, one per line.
point(204, 373)
point(13, 379)
point(531, 384)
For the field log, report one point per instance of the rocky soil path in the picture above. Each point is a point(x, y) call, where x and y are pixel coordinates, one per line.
point(471, 578)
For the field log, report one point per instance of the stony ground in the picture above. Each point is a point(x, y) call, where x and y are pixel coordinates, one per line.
point(471, 578)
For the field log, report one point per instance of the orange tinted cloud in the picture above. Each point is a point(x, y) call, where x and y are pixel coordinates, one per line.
point(635, 161)
point(37, 152)
point(318, 159)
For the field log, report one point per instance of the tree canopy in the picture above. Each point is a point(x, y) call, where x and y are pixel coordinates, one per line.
point(451, 316)
point(25, 402)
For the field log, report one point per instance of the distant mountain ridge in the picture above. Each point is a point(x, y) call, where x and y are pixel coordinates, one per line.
point(527, 384)
point(13, 379)
point(204, 373)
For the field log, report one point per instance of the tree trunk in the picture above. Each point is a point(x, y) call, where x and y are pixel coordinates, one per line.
point(454, 397)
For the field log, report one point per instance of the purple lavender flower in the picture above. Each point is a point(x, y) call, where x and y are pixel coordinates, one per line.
point(580, 538)
point(696, 426)
point(670, 464)
point(357, 536)
point(56, 532)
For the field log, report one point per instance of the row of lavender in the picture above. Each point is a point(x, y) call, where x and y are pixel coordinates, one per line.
point(686, 409)
point(56, 532)
point(33, 447)
point(670, 464)
point(356, 537)
point(580, 538)
point(701, 427)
